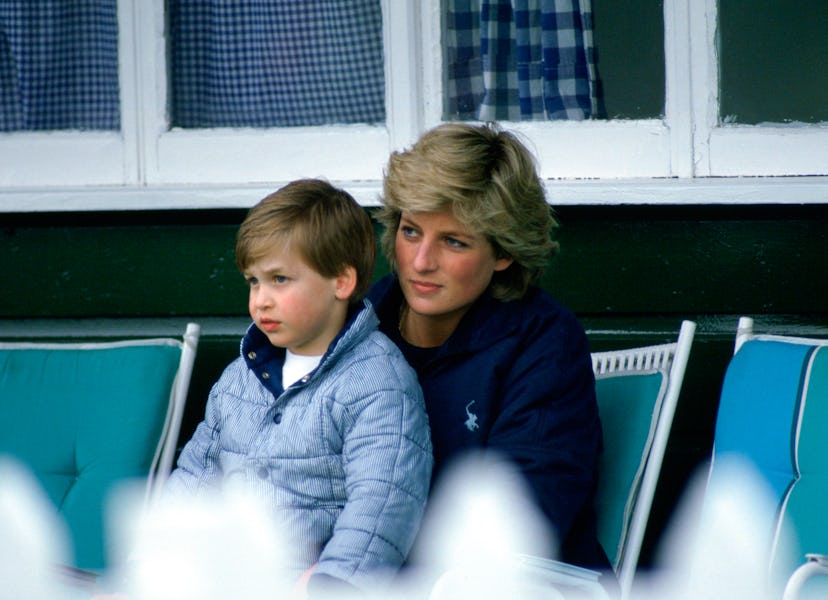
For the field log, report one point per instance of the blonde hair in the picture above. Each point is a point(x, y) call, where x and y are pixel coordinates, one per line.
point(488, 179)
point(324, 224)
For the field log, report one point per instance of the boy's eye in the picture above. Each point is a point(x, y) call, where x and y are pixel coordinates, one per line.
point(279, 279)
point(251, 280)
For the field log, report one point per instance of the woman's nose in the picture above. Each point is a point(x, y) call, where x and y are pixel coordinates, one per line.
point(424, 258)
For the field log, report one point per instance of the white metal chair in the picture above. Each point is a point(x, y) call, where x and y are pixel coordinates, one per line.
point(83, 417)
point(637, 391)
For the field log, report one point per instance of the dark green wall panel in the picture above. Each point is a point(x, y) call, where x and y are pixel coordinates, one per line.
point(696, 260)
point(119, 268)
point(614, 260)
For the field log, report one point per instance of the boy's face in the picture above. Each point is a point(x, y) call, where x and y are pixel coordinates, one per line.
point(293, 305)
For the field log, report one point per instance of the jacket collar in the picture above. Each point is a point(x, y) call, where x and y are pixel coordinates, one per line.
point(487, 320)
point(260, 354)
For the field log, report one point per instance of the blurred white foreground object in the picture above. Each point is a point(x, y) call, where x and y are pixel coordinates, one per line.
point(718, 545)
point(33, 539)
point(210, 547)
point(480, 521)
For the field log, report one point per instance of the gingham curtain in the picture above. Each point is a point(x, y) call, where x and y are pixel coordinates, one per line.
point(276, 63)
point(239, 63)
point(59, 65)
point(513, 60)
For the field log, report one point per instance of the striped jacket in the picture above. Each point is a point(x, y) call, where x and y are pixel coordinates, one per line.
point(344, 454)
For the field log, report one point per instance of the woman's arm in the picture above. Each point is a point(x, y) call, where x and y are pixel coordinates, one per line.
point(548, 423)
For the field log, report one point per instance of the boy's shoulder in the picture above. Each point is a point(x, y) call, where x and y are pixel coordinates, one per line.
point(377, 347)
point(375, 361)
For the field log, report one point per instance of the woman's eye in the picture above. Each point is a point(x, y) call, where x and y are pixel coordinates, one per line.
point(455, 243)
point(408, 231)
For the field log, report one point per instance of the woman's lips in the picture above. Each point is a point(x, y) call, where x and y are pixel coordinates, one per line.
point(424, 287)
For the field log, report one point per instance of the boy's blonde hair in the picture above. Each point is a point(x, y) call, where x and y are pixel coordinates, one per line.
point(324, 224)
point(488, 179)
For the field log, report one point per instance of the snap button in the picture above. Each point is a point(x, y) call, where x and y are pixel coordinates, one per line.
point(251, 355)
point(265, 375)
point(277, 418)
point(305, 378)
point(262, 473)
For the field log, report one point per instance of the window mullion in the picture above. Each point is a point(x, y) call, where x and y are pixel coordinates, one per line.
point(402, 35)
point(678, 92)
point(151, 74)
point(704, 75)
point(129, 78)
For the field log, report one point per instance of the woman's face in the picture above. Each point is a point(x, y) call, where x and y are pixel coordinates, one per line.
point(443, 267)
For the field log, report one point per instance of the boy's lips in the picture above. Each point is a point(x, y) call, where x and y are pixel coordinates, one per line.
point(269, 325)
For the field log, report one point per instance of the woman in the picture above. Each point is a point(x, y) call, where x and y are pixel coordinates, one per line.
point(502, 364)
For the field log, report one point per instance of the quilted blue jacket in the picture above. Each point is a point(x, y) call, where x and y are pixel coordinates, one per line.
point(345, 451)
point(516, 377)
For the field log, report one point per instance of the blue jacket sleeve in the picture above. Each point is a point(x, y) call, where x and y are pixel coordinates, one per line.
point(198, 464)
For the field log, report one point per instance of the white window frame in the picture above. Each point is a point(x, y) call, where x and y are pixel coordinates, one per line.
point(686, 157)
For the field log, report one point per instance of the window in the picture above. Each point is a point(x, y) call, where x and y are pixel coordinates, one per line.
point(275, 64)
point(675, 108)
point(59, 66)
point(773, 62)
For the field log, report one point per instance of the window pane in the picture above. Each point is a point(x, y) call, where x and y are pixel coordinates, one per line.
point(773, 61)
point(507, 60)
point(629, 42)
point(59, 65)
point(553, 59)
point(279, 63)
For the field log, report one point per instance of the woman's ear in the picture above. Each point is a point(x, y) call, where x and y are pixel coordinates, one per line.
point(503, 263)
point(345, 283)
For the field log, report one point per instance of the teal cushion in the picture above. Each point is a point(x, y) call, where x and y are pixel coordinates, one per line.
point(83, 420)
point(804, 510)
point(626, 402)
point(758, 408)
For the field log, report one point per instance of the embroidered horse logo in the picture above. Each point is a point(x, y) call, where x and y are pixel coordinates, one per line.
point(471, 422)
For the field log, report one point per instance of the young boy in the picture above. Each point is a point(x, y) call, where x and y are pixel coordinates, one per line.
point(320, 416)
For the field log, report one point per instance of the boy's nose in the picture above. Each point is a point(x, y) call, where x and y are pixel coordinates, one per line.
point(261, 299)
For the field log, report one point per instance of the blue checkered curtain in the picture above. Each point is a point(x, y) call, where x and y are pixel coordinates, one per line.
point(276, 63)
point(59, 65)
point(519, 60)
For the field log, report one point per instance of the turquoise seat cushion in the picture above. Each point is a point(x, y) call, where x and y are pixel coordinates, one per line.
point(804, 512)
point(83, 420)
point(774, 412)
point(626, 403)
point(758, 408)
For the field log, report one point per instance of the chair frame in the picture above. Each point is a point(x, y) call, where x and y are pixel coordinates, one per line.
point(672, 359)
point(164, 458)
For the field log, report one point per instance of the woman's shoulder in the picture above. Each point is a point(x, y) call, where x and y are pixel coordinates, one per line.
point(537, 308)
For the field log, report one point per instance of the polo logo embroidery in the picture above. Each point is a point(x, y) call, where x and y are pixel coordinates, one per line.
point(471, 422)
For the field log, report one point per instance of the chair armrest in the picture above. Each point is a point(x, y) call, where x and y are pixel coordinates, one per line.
point(817, 564)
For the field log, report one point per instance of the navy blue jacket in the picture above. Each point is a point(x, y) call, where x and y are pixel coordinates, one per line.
point(516, 377)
